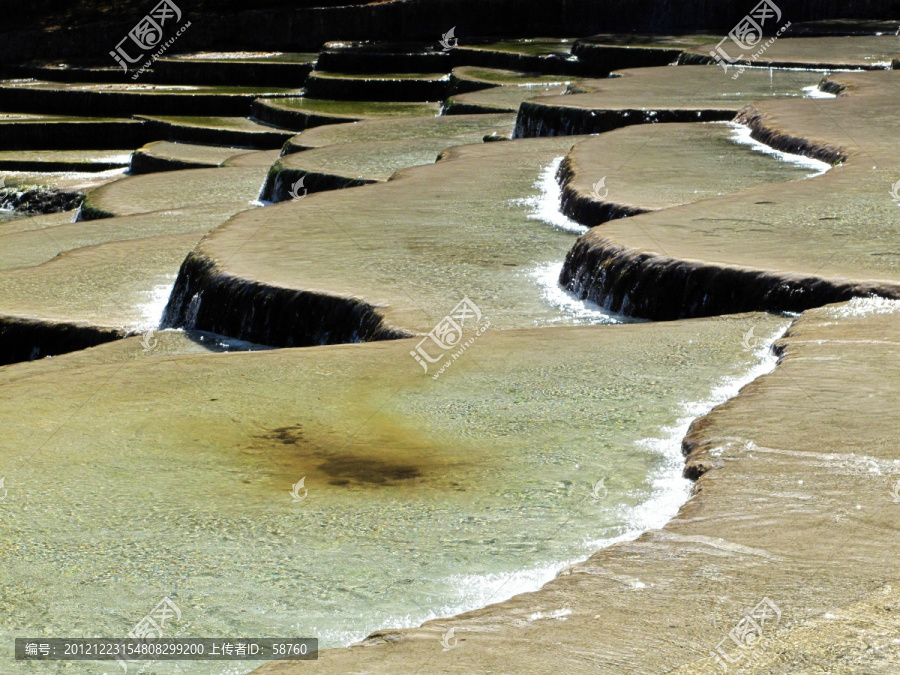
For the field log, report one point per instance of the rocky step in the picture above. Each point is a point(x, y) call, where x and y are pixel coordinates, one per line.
point(535, 55)
point(168, 156)
point(599, 55)
point(64, 160)
point(29, 339)
point(67, 286)
point(815, 53)
point(20, 131)
point(241, 132)
point(377, 87)
point(403, 128)
point(298, 113)
point(465, 79)
point(842, 27)
point(256, 69)
point(645, 168)
point(173, 189)
point(285, 284)
point(129, 99)
point(358, 162)
point(384, 57)
point(650, 95)
point(501, 99)
point(773, 246)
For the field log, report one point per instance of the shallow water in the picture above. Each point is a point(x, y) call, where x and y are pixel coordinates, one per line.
point(424, 498)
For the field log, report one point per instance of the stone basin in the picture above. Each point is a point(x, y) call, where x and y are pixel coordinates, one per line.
point(450, 494)
point(303, 112)
point(833, 53)
point(360, 161)
point(666, 94)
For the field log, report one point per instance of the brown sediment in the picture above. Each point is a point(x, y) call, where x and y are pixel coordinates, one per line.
point(206, 298)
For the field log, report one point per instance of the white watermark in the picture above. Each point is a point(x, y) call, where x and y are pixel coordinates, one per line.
point(895, 492)
point(599, 491)
point(600, 191)
point(151, 626)
point(749, 341)
point(448, 334)
point(449, 40)
point(149, 341)
point(747, 633)
point(448, 640)
point(295, 190)
point(299, 491)
point(895, 191)
point(3, 490)
point(147, 34)
point(748, 34)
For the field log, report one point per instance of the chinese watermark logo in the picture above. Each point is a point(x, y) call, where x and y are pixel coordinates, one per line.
point(149, 341)
point(147, 34)
point(895, 191)
point(152, 625)
point(296, 488)
point(3, 490)
point(599, 491)
point(748, 632)
point(895, 492)
point(448, 640)
point(449, 39)
point(295, 190)
point(600, 191)
point(448, 334)
point(747, 35)
point(749, 341)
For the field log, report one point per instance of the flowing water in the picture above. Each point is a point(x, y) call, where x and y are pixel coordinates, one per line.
point(421, 498)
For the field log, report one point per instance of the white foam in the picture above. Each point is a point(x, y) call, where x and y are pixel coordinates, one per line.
point(670, 488)
point(863, 306)
point(470, 591)
point(669, 492)
point(560, 614)
point(741, 134)
point(813, 91)
point(152, 310)
point(573, 309)
point(544, 206)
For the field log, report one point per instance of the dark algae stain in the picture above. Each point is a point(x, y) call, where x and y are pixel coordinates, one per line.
point(347, 467)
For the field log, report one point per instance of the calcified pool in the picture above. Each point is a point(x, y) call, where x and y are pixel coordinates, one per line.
point(421, 498)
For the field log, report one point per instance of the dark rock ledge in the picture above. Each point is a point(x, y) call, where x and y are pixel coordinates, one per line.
point(26, 339)
point(205, 298)
point(652, 286)
point(582, 207)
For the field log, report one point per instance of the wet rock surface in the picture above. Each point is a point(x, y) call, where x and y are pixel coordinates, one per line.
point(510, 411)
